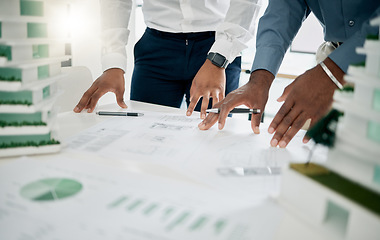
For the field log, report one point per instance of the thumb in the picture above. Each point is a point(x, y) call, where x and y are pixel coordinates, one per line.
point(120, 100)
point(284, 94)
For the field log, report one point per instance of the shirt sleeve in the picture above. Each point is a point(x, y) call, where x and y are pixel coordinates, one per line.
point(115, 15)
point(346, 54)
point(237, 29)
point(277, 28)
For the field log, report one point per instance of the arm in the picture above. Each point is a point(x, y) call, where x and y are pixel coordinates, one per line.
point(311, 94)
point(115, 15)
point(277, 28)
point(232, 37)
point(346, 53)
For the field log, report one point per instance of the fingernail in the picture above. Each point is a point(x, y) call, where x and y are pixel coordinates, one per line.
point(188, 113)
point(220, 126)
point(256, 130)
point(305, 140)
point(202, 124)
point(203, 116)
point(76, 109)
point(282, 144)
point(274, 142)
point(271, 130)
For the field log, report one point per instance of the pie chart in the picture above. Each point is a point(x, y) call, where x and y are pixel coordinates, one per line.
point(50, 189)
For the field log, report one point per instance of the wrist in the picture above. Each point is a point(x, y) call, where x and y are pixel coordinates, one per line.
point(262, 77)
point(217, 59)
point(115, 71)
point(210, 65)
point(333, 71)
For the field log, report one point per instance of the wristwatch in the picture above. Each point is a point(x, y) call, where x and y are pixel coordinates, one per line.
point(217, 59)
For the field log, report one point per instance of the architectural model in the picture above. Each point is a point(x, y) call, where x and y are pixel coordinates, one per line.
point(341, 197)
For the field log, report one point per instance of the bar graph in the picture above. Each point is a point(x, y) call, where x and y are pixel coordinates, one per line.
point(171, 217)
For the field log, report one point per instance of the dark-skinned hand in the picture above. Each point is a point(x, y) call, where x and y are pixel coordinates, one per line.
point(112, 80)
point(209, 83)
point(309, 96)
point(254, 94)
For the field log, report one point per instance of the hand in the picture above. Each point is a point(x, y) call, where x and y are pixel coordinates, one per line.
point(112, 80)
point(309, 96)
point(254, 94)
point(209, 83)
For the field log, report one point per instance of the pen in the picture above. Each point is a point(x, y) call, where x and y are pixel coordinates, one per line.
point(235, 110)
point(128, 114)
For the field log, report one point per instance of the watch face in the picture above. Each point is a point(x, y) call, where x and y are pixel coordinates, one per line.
point(219, 59)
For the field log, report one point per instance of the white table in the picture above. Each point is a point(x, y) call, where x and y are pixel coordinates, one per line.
point(70, 123)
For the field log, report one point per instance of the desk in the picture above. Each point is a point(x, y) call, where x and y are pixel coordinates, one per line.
point(290, 226)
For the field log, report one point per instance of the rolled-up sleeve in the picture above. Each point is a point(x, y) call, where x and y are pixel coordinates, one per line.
point(237, 29)
point(115, 15)
point(346, 54)
point(277, 28)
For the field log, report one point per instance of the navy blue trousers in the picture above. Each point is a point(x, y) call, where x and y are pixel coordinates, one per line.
point(166, 63)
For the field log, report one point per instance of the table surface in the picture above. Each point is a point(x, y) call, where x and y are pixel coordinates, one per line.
point(70, 123)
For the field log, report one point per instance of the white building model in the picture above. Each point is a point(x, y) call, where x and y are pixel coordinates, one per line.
point(30, 65)
point(342, 197)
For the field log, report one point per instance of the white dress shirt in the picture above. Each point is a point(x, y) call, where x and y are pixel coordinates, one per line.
point(233, 21)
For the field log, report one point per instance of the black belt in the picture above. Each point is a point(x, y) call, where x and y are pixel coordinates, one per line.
point(183, 36)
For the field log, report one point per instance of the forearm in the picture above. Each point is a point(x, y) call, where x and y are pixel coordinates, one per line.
point(277, 28)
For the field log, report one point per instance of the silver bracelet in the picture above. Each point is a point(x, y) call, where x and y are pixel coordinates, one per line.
point(331, 76)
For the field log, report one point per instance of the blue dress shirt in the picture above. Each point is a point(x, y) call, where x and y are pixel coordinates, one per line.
point(344, 21)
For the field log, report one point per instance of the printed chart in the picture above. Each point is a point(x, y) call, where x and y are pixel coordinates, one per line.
point(50, 189)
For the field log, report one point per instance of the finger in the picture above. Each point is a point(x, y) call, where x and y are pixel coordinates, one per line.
point(215, 98)
point(209, 121)
point(223, 114)
point(193, 102)
point(221, 95)
point(120, 99)
point(94, 99)
point(284, 110)
point(205, 101)
point(255, 122)
point(85, 99)
point(306, 138)
point(286, 92)
point(284, 125)
point(292, 131)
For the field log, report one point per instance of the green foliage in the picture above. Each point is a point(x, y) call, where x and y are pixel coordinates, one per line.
point(359, 64)
point(29, 144)
point(372, 37)
point(323, 132)
point(10, 79)
point(21, 124)
point(13, 102)
point(347, 88)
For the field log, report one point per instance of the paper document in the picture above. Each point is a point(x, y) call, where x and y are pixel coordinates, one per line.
point(213, 156)
point(72, 199)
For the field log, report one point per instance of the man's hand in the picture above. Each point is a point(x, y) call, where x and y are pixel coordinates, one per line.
point(112, 80)
point(254, 94)
point(308, 97)
point(209, 82)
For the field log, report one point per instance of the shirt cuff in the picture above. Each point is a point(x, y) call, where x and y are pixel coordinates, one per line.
point(114, 60)
point(268, 58)
point(229, 49)
point(346, 54)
